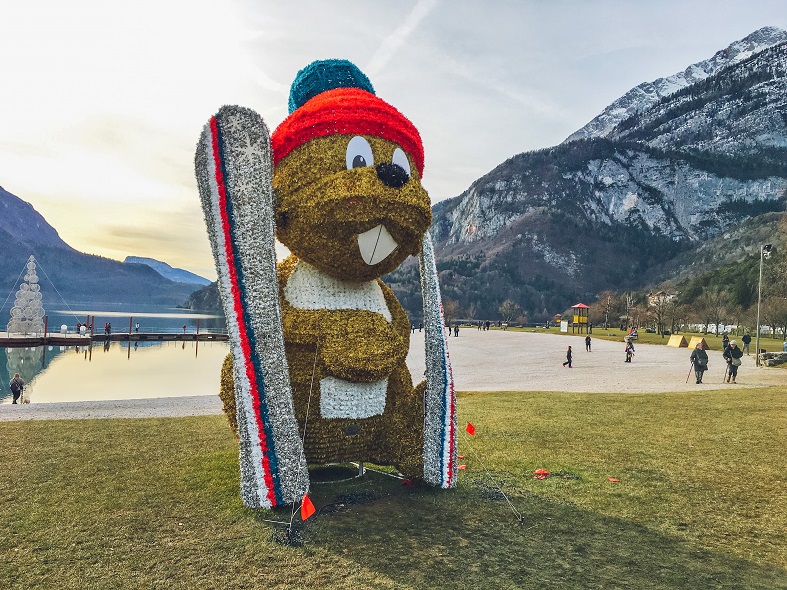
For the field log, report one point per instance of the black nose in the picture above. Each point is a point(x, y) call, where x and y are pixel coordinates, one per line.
point(392, 175)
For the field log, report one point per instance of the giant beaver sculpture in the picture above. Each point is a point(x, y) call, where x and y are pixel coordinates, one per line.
point(317, 371)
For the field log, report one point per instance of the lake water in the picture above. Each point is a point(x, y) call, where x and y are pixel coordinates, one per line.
point(114, 370)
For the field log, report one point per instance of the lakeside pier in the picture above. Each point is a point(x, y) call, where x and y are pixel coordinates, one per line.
point(58, 339)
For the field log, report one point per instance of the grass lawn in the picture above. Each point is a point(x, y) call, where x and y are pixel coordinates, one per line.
point(153, 503)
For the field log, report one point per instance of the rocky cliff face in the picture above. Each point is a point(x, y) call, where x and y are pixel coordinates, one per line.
point(616, 183)
point(597, 213)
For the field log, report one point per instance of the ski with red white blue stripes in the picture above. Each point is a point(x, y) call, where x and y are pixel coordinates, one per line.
point(234, 172)
point(440, 454)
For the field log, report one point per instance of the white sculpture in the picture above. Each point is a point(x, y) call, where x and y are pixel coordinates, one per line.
point(27, 314)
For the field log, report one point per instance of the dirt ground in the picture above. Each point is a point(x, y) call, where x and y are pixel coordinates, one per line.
point(524, 361)
point(484, 361)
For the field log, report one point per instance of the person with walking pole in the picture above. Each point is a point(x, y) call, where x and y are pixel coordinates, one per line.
point(732, 354)
point(699, 361)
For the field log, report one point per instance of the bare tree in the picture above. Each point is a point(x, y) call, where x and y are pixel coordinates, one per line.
point(719, 301)
point(703, 311)
point(678, 316)
point(450, 310)
point(659, 305)
point(509, 310)
point(604, 308)
point(471, 311)
point(774, 312)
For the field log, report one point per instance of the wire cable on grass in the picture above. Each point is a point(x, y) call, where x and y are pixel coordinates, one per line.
point(519, 517)
point(306, 419)
point(393, 475)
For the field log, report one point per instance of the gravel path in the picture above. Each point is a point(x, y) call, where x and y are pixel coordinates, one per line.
point(159, 407)
point(482, 361)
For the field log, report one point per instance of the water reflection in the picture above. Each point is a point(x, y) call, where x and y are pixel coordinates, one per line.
point(115, 370)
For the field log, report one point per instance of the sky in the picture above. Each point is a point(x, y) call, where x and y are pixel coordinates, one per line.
point(103, 102)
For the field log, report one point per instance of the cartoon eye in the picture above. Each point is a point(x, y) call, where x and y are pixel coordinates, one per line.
point(359, 153)
point(400, 159)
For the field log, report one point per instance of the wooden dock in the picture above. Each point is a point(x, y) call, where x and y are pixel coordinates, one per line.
point(57, 339)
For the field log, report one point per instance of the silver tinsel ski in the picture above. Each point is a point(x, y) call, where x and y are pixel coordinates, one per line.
point(247, 163)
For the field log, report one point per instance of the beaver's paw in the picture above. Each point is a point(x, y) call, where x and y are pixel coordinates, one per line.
point(227, 393)
point(363, 348)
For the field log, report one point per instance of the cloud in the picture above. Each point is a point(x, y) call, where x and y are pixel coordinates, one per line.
point(395, 40)
point(176, 236)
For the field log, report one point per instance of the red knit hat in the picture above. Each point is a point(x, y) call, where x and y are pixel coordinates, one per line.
point(347, 111)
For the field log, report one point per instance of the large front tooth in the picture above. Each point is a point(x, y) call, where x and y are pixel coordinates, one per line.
point(376, 244)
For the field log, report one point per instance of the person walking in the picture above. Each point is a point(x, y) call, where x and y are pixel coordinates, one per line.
point(629, 351)
point(587, 343)
point(568, 358)
point(725, 341)
point(732, 354)
point(746, 341)
point(699, 359)
point(17, 386)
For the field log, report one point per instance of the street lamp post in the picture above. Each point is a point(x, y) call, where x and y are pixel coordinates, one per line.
point(765, 252)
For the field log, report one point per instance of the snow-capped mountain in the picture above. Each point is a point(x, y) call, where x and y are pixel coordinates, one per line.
point(647, 94)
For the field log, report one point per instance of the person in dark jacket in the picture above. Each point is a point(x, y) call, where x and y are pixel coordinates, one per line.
point(732, 354)
point(746, 341)
point(17, 387)
point(587, 343)
point(699, 360)
point(568, 358)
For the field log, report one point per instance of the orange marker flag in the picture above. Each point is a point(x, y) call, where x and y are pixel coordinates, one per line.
point(307, 508)
point(470, 429)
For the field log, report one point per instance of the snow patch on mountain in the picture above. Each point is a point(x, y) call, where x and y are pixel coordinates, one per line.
point(647, 94)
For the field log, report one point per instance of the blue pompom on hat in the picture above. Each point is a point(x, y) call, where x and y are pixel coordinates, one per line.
point(328, 74)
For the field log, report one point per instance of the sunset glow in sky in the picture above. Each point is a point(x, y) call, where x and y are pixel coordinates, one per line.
point(103, 102)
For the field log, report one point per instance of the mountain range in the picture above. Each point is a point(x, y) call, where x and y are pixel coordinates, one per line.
point(662, 170)
point(71, 276)
point(177, 275)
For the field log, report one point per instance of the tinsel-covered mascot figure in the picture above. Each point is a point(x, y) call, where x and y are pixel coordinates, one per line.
point(317, 372)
